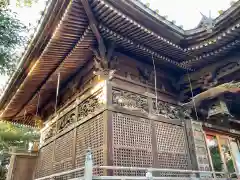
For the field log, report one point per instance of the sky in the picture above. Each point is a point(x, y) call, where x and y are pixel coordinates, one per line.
point(187, 12)
point(27, 15)
point(184, 12)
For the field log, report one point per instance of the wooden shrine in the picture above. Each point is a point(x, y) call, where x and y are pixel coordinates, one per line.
point(115, 77)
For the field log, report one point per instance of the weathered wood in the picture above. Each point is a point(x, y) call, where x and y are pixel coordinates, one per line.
point(93, 24)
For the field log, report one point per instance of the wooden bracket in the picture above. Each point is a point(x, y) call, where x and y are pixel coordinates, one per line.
point(103, 60)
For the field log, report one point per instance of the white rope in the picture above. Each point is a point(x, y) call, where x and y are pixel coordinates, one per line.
point(194, 104)
point(155, 83)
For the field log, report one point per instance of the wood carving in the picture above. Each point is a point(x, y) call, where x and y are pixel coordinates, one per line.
point(207, 81)
point(225, 69)
point(90, 105)
point(66, 121)
point(214, 92)
point(129, 100)
point(165, 109)
point(105, 63)
point(50, 132)
point(145, 74)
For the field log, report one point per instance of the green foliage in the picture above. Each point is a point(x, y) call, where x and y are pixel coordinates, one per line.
point(13, 135)
point(11, 37)
point(16, 135)
point(216, 159)
point(3, 172)
point(19, 3)
point(25, 2)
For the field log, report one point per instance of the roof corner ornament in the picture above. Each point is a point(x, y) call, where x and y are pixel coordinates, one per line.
point(207, 22)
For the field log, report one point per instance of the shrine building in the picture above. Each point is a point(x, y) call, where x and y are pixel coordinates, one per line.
point(138, 91)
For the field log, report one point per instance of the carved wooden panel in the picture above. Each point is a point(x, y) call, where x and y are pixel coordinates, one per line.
point(137, 71)
point(90, 135)
point(166, 109)
point(129, 100)
point(45, 161)
point(49, 132)
point(66, 120)
point(131, 143)
point(90, 105)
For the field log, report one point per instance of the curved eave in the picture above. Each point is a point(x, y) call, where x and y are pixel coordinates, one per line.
point(212, 56)
point(136, 9)
point(221, 21)
point(66, 35)
point(136, 15)
point(114, 18)
point(34, 48)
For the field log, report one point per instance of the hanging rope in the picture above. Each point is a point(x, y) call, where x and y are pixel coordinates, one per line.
point(155, 83)
point(24, 115)
point(38, 103)
point(194, 105)
point(58, 84)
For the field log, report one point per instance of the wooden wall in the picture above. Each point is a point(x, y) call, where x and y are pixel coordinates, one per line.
point(120, 120)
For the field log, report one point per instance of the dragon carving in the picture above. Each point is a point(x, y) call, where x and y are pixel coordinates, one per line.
point(230, 87)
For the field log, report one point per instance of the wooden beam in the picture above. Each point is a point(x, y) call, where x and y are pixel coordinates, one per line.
point(94, 27)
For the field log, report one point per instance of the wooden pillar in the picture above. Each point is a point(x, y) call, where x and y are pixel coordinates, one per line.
point(153, 136)
point(192, 160)
point(74, 139)
point(107, 129)
point(22, 166)
point(11, 168)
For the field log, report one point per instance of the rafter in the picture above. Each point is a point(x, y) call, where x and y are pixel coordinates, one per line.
point(94, 27)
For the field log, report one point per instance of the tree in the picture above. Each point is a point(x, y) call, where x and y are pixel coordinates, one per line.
point(12, 35)
point(14, 135)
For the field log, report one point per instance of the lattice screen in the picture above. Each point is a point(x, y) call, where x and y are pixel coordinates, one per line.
point(63, 153)
point(90, 135)
point(131, 143)
point(171, 146)
point(45, 161)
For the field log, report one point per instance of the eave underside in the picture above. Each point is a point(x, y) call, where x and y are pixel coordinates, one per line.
point(68, 50)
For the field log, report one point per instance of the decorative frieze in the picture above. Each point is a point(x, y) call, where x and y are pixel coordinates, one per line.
point(129, 100)
point(49, 132)
point(66, 120)
point(90, 105)
point(166, 109)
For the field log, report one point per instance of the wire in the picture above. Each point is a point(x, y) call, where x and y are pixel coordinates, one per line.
point(57, 91)
point(194, 104)
point(155, 83)
point(38, 103)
